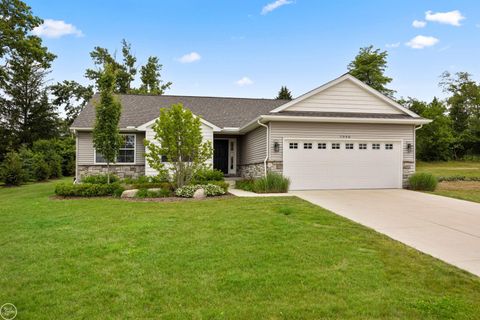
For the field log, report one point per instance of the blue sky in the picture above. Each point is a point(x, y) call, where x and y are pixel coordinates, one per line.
point(251, 48)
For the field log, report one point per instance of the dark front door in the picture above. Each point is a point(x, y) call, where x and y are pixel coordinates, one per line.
point(220, 155)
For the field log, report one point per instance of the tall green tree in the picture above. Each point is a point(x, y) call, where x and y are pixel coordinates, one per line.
point(369, 66)
point(434, 141)
point(464, 109)
point(25, 111)
point(178, 138)
point(151, 78)
point(284, 94)
point(71, 97)
point(106, 137)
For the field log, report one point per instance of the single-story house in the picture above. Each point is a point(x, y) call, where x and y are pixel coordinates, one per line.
point(341, 135)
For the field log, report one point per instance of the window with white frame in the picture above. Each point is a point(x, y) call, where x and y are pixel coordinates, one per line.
point(293, 145)
point(335, 146)
point(376, 146)
point(389, 146)
point(322, 145)
point(307, 145)
point(362, 146)
point(126, 153)
point(349, 146)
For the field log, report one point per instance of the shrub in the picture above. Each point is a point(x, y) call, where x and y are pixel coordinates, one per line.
point(88, 189)
point(27, 157)
point(11, 171)
point(246, 184)
point(148, 185)
point(272, 183)
point(48, 148)
point(161, 193)
point(146, 179)
point(40, 168)
point(222, 184)
point(458, 178)
point(211, 190)
point(423, 182)
point(204, 176)
point(99, 179)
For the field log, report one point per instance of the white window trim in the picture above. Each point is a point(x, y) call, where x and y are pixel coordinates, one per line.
point(120, 163)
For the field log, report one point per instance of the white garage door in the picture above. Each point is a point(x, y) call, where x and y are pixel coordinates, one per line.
point(331, 164)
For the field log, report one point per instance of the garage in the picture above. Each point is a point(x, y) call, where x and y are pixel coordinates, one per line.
point(342, 164)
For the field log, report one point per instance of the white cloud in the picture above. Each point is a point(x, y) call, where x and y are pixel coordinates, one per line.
point(452, 17)
point(418, 23)
point(245, 81)
point(420, 42)
point(190, 57)
point(393, 45)
point(274, 5)
point(55, 29)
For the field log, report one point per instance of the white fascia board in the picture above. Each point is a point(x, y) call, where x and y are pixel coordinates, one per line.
point(345, 120)
point(354, 80)
point(144, 126)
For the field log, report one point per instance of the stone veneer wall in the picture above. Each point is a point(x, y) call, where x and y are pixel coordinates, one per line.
point(255, 170)
point(122, 171)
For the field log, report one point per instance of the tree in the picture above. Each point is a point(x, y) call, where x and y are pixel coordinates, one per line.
point(151, 80)
point(434, 141)
point(464, 110)
point(71, 97)
point(178, 138)
point(284, 94)
point(25, 111)
point(369, 67)
point(11, 171)
point(106, 136)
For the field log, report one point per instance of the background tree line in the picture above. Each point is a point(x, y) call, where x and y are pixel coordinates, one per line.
point(35, 115)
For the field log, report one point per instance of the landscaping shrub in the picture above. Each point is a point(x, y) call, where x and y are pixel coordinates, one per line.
point(161, 178)
point(458, 178)
point(27, 157)
point(211, 190)
point(272, 183)
point(11, 171)
point(88, 189)
point(40, 168)
point(148, 185)
point(203, 176)
point(423, 182)
point(51, 156)
point(99, 179)
point(222, 184)
point(246, 184)
point(161, 193)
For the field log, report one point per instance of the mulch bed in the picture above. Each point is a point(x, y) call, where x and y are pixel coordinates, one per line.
point(167, 199)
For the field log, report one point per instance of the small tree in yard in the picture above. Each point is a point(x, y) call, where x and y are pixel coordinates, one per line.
point(178, 137)
point(106, 137)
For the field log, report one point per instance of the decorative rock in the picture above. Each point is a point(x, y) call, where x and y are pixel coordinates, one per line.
point(129, 193)
point(199, 194)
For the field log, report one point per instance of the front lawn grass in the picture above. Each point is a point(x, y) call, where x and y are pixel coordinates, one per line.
point(236, 258)
point(465, 190)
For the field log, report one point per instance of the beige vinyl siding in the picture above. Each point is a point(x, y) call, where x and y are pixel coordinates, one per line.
point(332, 131)
point(345, 96)
point(85, 153)
point(253, 146)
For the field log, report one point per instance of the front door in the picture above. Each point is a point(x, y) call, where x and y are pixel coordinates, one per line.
point(220, 155)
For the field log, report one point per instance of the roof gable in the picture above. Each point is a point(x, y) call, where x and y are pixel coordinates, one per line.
point(345, 94)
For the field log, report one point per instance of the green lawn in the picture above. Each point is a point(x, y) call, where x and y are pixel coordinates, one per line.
point(450, 168)
point(235, 258)
point(465, 190)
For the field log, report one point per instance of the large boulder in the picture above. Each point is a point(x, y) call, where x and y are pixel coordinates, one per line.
point(129, 193)
point(199, 194)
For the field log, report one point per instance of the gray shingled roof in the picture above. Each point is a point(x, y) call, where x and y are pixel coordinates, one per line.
point(222, 112)
point(342, 115)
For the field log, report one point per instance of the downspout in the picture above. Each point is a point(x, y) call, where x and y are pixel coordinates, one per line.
point(268, 149)
point(416, 128)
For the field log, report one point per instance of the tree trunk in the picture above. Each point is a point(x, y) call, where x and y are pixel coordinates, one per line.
point(108, 172)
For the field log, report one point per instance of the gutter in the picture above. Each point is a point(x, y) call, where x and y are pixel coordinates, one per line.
point(268, 144)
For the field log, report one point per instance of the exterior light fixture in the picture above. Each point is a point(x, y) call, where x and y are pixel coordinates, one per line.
point(276, 146)
point(409, 147)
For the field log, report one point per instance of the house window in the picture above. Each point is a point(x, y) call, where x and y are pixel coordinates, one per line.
point(362, 146)
point(307, 145)
point(376, 146)
point(293, 145)
point(126, 153)
point(389, 146)
point(349, 146)
point(335, 145)
point(322, 146)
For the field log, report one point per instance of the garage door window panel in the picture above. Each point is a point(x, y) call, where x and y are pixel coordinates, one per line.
point(349, 146)
point(322, 146)
point(335, 146)
point(307, 145)
point(293, 145)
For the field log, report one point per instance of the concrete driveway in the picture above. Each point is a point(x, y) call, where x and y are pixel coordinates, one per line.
point(445, 228)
